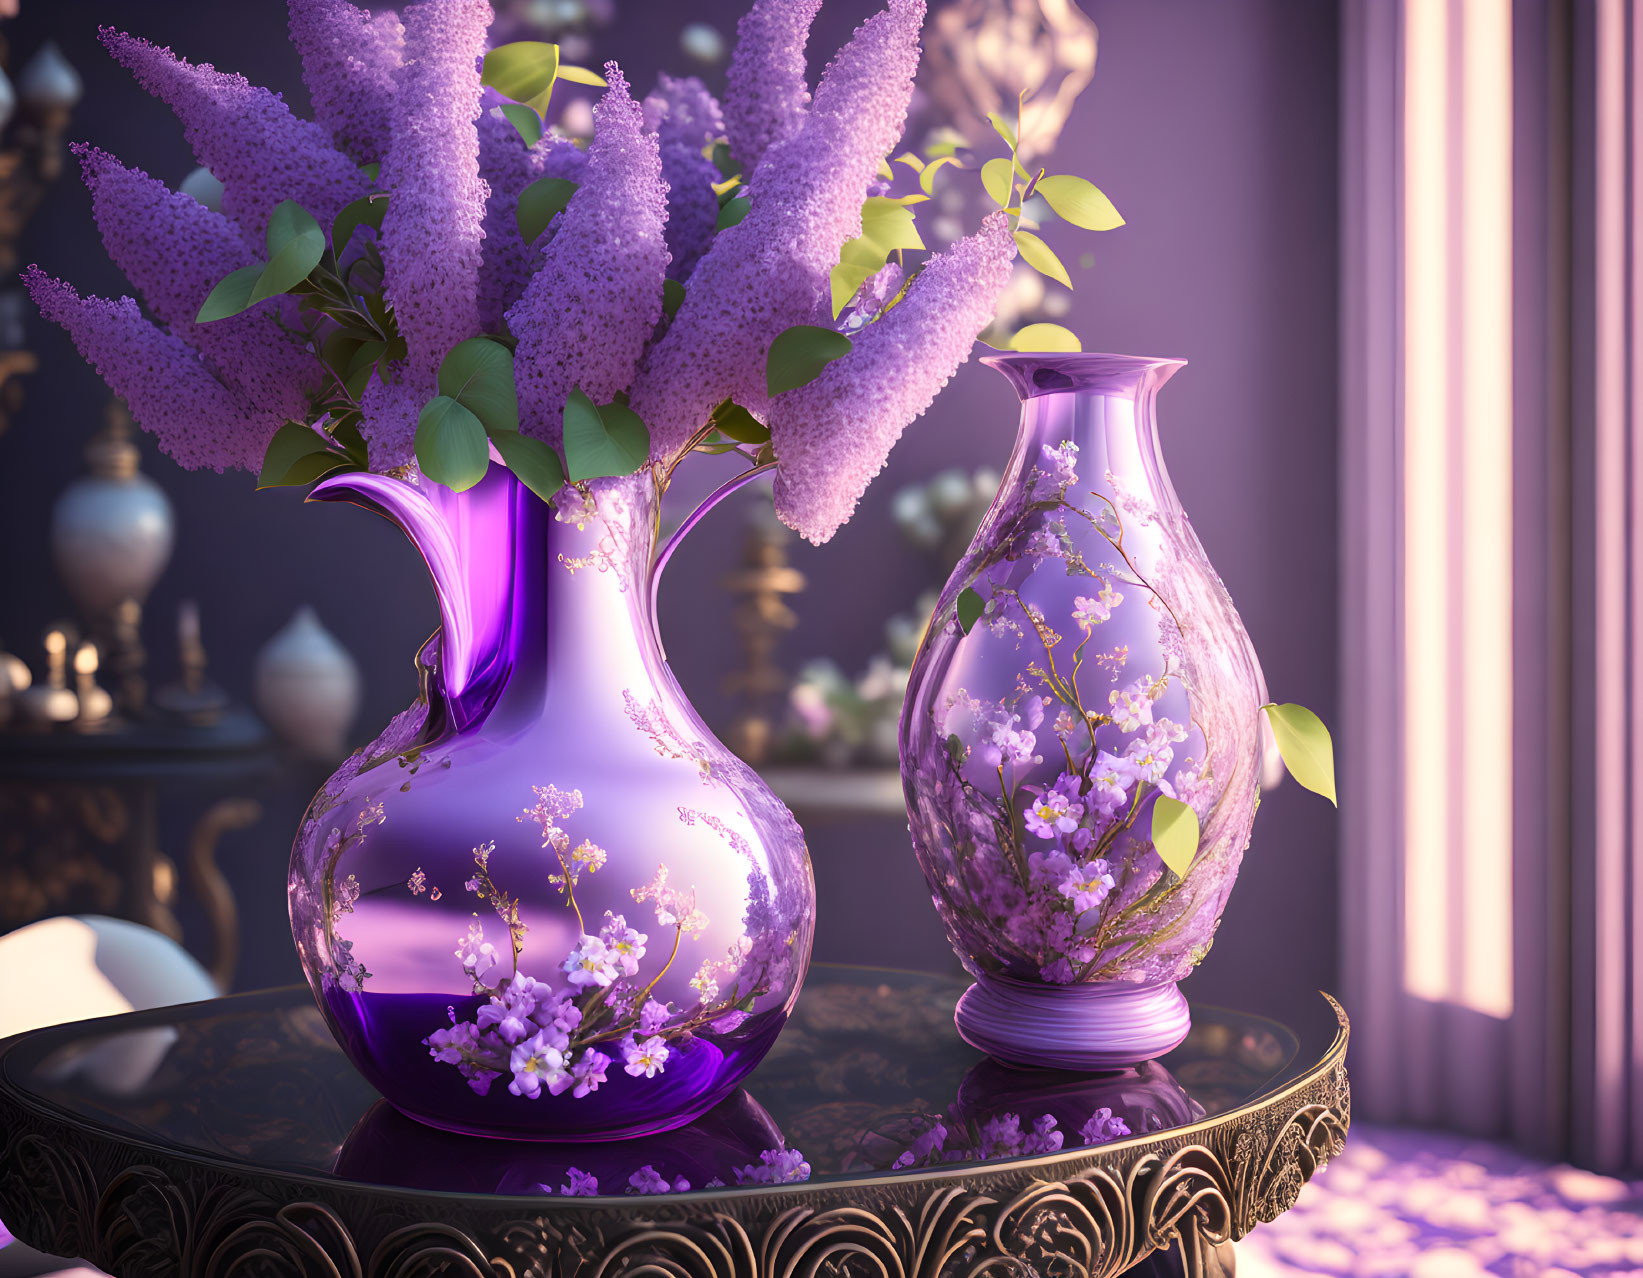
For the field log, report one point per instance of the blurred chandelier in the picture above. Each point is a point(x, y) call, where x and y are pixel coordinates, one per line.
point(980, 55)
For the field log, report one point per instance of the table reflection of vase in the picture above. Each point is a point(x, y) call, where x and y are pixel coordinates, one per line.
point(1002, 1111)
point(387, 1148)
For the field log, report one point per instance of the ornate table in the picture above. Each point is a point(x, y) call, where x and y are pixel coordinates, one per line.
point(232, 1137)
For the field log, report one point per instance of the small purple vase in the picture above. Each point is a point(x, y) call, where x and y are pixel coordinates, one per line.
point(546, 903)
point(1083, 661)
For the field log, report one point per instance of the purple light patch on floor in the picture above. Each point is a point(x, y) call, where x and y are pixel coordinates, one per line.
point(5, 1234)
point(1433, 1205)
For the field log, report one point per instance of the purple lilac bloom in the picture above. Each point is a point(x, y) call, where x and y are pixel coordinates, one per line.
point(1102, 1127)
point(685, 117)
point(1000, 1137)
point(1053, 813)
point(590, 964)
point(246, 136)
point(775, 1167)
point(1057, 468)
point(510, 1010)
point(926, 1148)
point(652, 1017)
point(535, 1064)
point(1044, 1138)
point(624, 945)
point(833, 435)
point(647, 1058)
point(766, 94)
point(647, 1180)
point(349, 57)
point(475, 953)
point(770, 270)
point(197, 420)
point(872, 298)
point(450, 1046)
point(589, 1072)
point(508, 166)
point(587, 313)
point(1132, 704)
point(433, 229)
point(1111, 778)
point(1087, 885)
point(579, 1184)
point(174, 250)
point(1149, 759)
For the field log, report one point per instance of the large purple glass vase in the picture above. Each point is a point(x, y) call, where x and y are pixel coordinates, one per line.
point(546, 903)
point(1084, 660)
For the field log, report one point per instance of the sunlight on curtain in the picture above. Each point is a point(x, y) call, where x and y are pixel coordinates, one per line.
point(1457, 503)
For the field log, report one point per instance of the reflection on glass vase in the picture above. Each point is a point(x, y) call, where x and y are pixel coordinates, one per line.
point(1084, 664)
point(546, 903)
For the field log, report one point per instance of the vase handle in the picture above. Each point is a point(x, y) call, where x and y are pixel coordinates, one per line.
point(733, 485)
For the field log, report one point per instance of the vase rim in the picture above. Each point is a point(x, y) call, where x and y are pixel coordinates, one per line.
point(1035, 373)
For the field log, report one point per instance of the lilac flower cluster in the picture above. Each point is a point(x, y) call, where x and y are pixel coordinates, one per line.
point(588, 311)
point(174, 250)
point(780, 1166)
point(246, 136)
point(770, 270)
point(768, 94)
point(833, 436)
point(584, 302)
point(433, 228)
point(350, 58)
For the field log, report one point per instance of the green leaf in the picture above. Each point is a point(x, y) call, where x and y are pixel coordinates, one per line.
point(524, 71)
point(581, 75)
point(1079, 201)
point(970, 607)
point(733, 212)
point(998, 179)
point(526, 120)
point(1305, 744)
point(537, 466)
point(724, 161)
point(955, 749)
point(345, 431)
point(673, 297)
point(1174, 833)
point(912, 161)
point(478, 374)
point(231, 295)
point(611, 440)
point(291, 443)
point(739, 424)
point(450, 444)
point(1041, 257)
point(295, 246)
point(927, 176)
point(886, 226)
point(310, 469)
point(1044, 337)
point(799, 354)
point(372, 171)
point(1003, 128)
point(540, 202)
point(365, 211)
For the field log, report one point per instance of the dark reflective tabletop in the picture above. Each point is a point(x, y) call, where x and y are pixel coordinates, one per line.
point(869, 1078)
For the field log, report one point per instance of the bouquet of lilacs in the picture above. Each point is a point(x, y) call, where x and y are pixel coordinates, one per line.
point(422, 281)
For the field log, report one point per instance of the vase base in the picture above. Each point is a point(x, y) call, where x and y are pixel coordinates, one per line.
point(1102, 1025)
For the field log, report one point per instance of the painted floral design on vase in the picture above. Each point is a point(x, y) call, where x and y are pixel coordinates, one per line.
point(1084, 660)
point(546, 903)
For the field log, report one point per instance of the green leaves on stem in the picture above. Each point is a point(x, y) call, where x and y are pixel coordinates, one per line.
point(295, 246)
point(799, 354)
point(887, 226)
point(451, 446)
point(969, 609)
point(1306, 747)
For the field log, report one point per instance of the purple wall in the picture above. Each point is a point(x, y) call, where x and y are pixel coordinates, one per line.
point(1210, 123)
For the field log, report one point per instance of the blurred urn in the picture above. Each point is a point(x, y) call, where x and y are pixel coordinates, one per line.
point(48, 82)
point(203, 185)
point(307, 687)
point(111, 530)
